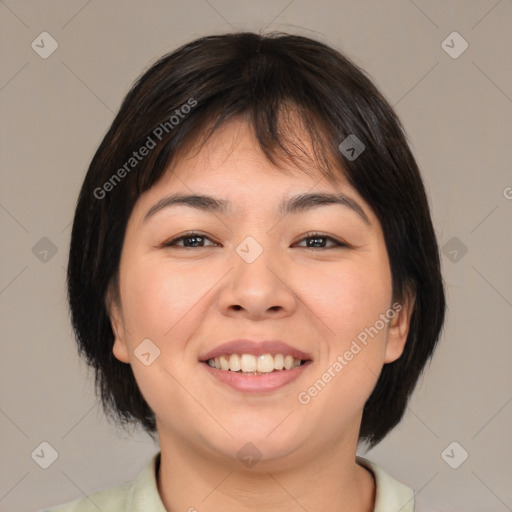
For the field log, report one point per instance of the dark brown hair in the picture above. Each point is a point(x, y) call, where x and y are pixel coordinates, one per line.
point(186, 96)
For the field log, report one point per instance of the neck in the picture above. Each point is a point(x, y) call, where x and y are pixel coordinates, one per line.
point(195, 481)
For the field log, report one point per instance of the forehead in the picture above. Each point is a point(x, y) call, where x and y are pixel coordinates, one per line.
point(231, 165)
point(233, 159)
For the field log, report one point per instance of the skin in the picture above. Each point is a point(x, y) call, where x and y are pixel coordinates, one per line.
point(189, 300)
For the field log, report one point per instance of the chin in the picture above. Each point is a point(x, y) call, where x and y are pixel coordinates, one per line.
point(256, 444)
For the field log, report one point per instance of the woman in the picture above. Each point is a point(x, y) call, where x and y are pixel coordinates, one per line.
point(255, 277)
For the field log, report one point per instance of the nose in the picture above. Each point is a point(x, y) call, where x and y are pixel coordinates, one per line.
point(257, 290)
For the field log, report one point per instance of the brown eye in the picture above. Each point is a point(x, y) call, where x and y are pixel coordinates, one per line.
point(190, 241)
point(319, 240)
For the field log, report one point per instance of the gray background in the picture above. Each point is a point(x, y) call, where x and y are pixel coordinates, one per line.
point(458, 115)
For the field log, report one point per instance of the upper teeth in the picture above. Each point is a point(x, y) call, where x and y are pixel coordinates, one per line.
point(248, 363)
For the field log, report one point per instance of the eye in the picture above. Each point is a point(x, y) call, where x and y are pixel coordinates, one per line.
point(190, 240)
point(318, 240)
point(193, 240)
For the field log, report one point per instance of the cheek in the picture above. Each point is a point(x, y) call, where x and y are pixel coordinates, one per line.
point(164, 301)
point(349, 299)
point(339, 399)
point(163, 304)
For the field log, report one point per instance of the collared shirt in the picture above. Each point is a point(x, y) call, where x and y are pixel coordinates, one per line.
point(142, 495)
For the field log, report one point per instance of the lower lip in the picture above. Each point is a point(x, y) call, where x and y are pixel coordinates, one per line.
point(257, 383)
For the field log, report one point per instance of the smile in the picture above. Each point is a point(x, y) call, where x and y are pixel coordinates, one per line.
point(255, 365)
point(248, 379)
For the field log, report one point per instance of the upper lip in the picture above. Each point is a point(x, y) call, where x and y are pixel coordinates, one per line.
point(256, 348)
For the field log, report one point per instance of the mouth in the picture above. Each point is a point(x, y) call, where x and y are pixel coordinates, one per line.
point(255, 367)
point(249, 364)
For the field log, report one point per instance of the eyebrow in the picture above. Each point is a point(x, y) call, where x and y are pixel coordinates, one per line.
point(295, 204)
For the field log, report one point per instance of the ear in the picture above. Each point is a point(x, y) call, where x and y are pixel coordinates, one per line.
point(119, 348)
point(398, 328)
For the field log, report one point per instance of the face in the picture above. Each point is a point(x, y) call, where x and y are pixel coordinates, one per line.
point(315, 277)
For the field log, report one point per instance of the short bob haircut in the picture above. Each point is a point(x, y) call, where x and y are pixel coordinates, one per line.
point(180, 101)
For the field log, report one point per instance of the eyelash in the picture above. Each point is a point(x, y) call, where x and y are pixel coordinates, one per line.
point(172, 243)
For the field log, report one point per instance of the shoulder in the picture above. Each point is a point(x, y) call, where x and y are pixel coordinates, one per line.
point(394, 495)
point(113, 499)
point(390, 494)
point(141, 494)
